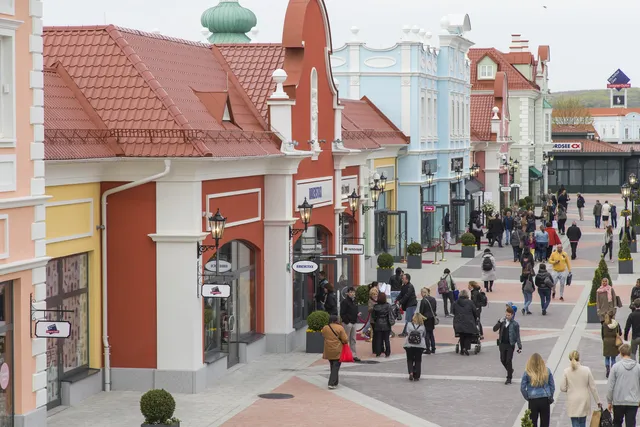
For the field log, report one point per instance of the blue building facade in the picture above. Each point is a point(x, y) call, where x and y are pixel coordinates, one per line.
point(426, 92)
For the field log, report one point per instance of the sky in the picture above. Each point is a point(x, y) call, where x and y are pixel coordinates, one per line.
point(589, 39)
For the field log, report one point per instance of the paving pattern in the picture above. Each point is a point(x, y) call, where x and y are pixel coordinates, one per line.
point(454, 390)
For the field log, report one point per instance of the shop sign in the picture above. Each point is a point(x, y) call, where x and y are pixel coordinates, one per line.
point(458, 202)
point(311, 248)
point(348, 184)
point(428, 208)
point(48, 329)
point(224, 266)
point(215, 290)
point(567, 146)
point(317, 191)
point(618, 80)
point(618, 100)
point(505, 189)
point(353, 249)
point(305, 267)
point(515, 186)
point(457, 163)
point(4, 376)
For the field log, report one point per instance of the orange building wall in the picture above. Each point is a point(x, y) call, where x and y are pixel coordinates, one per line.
point(131, 267)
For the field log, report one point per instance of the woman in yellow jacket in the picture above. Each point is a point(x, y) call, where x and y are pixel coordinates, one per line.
point(334, 338)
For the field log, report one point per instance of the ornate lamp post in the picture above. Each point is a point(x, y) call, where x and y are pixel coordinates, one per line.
point(625, 189)
point(216, 225)
point(374, 192)
point(305, 216)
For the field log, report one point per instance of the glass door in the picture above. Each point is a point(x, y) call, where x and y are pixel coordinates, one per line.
point(233, 337)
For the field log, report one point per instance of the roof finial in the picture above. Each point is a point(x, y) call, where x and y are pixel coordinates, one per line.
point(406, 30)
point(355, 30)
point(495, 111)
point(228, 22)
point(279, 76)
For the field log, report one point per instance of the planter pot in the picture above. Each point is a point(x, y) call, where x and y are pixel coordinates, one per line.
point(160, 425)
point(363, 313)
point(468, 252)
point(414, 262)
point(315, 342)
point(592, 314)
point(384, 274)
point(636, 228)
point(625, 267)
point(633, 247)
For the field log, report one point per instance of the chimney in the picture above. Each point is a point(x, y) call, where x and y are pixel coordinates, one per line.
point(524, 45)
point(280, 106)
point(495, 121)
point(515, 43)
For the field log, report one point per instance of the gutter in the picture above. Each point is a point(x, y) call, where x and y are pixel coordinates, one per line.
point(103, 227)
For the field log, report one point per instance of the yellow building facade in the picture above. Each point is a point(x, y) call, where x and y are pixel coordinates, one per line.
point(386, 165)
point(74, 283)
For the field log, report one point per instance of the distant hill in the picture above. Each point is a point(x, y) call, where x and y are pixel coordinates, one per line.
point(599, 98)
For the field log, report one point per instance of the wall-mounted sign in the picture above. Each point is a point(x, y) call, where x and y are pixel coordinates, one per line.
point(353, 249)
point(457, 202)
point(48, 329)
point(567, 146)
point(216, 290)
point(618, 100)
point(224, 266)
point(305, 267)
point(318, 191)
point(457, 163)
point(348, 184)
point(618, 80)
point(4, 376)
point(551, 172)
point(307, 248)
point(428, 208)
point(505, 189)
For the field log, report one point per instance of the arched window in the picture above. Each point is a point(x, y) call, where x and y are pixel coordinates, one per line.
point(314, 109)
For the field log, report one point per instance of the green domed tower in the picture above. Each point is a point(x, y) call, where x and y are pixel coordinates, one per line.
point(228, 22)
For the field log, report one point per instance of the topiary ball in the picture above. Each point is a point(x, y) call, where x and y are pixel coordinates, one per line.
point(157, 406)
point(414, 249)
point(468, 239)
point(362, 295)
point(317, 320)
point(385, 261)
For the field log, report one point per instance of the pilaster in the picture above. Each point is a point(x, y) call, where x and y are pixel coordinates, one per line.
point(492, 171)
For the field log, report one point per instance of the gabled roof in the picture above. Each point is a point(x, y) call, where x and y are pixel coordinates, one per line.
point(515, 79)
point(140, 81)
point(364, 126)
point(608, 112)
point(592, 146)
point(481, 106)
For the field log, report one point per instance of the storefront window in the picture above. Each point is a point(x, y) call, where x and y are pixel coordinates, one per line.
point(6, 355)
point(315, 241)
point(67, 289)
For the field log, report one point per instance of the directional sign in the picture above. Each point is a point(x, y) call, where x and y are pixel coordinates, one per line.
point(216, 290)
point(353, 249)
point(47, 329)
point(618, 80)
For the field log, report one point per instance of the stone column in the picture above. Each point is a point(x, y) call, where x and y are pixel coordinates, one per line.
point(492, 171)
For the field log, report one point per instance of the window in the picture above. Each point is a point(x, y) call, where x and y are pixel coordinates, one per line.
point(7, 87)
point(429, 117)
point(451, 117)
point(6, 353)
point(613, 131)
point(604, 131)
point(67, 285)
point(435, 117)
point(486, 71)
point(423, 116)
point(7, 7)
point(626, 133)
point(547, 127)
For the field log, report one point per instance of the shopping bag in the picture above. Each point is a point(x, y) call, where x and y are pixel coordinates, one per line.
point(346, 356)
point(595, 418)
point(606, 419)
point(456, 294)
point(569, 277)
point(554, 224)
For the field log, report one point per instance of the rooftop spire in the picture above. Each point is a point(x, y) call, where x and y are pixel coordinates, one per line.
point(228, 22)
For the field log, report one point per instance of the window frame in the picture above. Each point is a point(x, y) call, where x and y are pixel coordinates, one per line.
point(486, 72)
point(8, 124)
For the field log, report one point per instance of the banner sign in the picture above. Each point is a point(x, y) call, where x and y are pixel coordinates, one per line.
point(348, 184)
point(567, 146)
point(457, 163)
point(618, 80)
point(318, 191)
point(618, 100)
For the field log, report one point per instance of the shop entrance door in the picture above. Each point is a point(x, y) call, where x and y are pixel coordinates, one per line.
point(391, 233)
point(231, 324)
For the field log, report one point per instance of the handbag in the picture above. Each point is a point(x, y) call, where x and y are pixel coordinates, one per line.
point(618, 302)
point(619, 341)
point(595, 418)
point(436, 321)
point(605, 419)
point(346, 355)
point(528, 285)
point(569, 278)
point(551, 399)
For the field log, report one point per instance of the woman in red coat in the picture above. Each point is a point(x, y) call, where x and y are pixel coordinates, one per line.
point(554, 239)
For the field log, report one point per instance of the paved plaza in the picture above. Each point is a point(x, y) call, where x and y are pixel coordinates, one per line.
point(453, 391)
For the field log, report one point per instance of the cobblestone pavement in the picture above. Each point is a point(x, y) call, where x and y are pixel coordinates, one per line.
point(454, 390)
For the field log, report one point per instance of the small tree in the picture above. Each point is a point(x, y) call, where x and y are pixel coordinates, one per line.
point(570, 111)
point(525, 421)
point(624, 254)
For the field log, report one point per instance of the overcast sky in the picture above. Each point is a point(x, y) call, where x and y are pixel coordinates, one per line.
point(589, 39)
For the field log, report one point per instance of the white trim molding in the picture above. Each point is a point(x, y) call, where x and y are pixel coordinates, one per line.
point(179, 238)
point(5, 218)
point(237, 193)
point(8, 7)
point(23, 202)
point(73, 236)
point(9, 185)
point(22, 265)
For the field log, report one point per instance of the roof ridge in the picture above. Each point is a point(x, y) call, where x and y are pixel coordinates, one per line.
point(162, 37)
point(247, 44)
point(154, 85)
point(383, 116)
point(74, 27)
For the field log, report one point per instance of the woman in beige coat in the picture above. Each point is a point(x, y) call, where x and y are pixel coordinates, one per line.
point(579, 385)
point(334, 338)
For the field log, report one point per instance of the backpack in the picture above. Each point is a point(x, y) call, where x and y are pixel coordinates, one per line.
point(487, 265)
point(482, 299)
point(443, 285)
point(415, 337)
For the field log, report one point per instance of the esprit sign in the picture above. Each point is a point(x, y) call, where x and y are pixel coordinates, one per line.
point(215, 290)
point(305, 267)
point(567, 146)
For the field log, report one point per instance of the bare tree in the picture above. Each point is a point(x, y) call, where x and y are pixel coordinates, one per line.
point(571, 111)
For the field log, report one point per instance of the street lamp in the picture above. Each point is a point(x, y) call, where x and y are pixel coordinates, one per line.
point(354, 201)
point(458, 173)
point(625, 189)
point(305, 216)
point(430, 176)
point(374, 192)
point(216, 227)
point(382, 182)
point(633, 179)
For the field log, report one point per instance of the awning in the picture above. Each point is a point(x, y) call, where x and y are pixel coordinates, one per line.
point(473, 186)
point(534, 174)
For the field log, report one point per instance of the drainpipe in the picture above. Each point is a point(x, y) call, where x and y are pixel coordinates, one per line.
point(105, 336)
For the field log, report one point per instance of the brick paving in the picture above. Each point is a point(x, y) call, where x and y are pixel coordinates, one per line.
point(379, 393)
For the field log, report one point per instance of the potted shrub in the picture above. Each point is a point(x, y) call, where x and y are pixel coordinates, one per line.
point(414, 256)
point(362, 299)
point(157, 407)
point(625, 262)
point(385, 267)
point(468, 241)
point(315, 322)
point(601, 272)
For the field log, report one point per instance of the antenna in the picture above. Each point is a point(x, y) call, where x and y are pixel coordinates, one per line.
point(105, 18)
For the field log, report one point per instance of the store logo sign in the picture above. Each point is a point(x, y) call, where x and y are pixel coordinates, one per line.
point(567, 146)
point(305, 267)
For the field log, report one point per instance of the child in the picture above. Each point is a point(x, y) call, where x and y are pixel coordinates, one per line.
point(532, 244)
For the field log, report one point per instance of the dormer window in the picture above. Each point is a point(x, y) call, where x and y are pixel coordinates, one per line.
point(226, 116)
point(486, 71)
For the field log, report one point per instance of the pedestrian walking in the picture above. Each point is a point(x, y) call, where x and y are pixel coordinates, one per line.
point(608, 243)
point(373, 299)
point(508, 337)
point(414, 346)
point(407, 300)
point(561, 270)
point(349, 317)
point(628, 231)
point(542, 242)
point(580, 204)
point(606, 300)
point(527, 258)
point(563, 199)
point(396, 283)
point(574, 234)
point(428, 308)
point(321, 292)
point(330, 301)
point(475, 228)
point(597, 212)
point(606, 210)
point(334, 338)
point(544, 283)
point(447, 231)
point(446, 287)
point(611, 340)
point(633, 326)
point(623, 389)
point(507, 225)
point(531, 244)
point(382, 320)
point(528, 286)
point(531, 222)
point(488, 267)
point(554, 240)
point(562, 219)
point(479, 300)
point(538, 387)
point(614, 215)
point(464, 321)
point(580, 386)
point(635, 294)
point(518, 241)
point(496, 229)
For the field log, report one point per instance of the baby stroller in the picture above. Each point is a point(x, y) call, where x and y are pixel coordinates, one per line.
point(474, 341)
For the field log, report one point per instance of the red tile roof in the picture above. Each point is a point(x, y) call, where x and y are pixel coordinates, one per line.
point(364, 126)
point(592, 146)
point(573, 128)
point(515, 79)
point(481, 106)
point(135, 80)
point(605, 112)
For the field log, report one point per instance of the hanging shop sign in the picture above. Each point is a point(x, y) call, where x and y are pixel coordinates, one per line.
point(353, 249)
point(5, 375)
point(216, 290)
point(567, 146)
point(505, 189)
point(305, 267)
point(458, 202)
point(49, 329)
point(224, 266)
point(428, 208)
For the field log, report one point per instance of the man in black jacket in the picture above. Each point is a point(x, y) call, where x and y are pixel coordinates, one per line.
point(508, 337)
point(396, 284)
point(633, 325)
point(408, 301)
point(321, 292)
point(574, 234)
point(349, 316)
